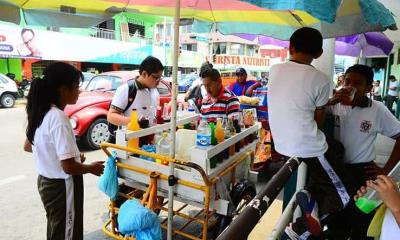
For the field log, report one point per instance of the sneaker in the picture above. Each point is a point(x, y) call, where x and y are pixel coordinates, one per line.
point(309, 208)
point(295, 230)
point(289, 234)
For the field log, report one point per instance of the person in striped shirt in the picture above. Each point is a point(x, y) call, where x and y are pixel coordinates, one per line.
point(220, 102)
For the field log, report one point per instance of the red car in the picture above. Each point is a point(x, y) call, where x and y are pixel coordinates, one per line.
point(88, 116)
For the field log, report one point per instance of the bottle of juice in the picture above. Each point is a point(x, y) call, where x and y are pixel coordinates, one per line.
point(219, 131)
point(133, 126)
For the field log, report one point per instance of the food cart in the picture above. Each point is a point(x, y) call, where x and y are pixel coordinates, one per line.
point(220, 190)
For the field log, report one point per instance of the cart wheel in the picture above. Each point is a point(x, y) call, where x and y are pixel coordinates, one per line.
point(242, 193)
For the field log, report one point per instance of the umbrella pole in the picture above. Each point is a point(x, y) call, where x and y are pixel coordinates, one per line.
point(171, 179)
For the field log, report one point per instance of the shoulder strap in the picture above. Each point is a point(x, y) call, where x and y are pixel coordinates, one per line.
point(132, 90)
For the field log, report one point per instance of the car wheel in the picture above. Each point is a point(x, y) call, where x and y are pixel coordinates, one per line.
point(7, 100)
point(97, 133)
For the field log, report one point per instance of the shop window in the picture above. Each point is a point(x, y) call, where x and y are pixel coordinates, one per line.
point(136, 30)
point(251, 50)
point(237, 49)
point(109, 24)
point(219, 48)
point(186, 29)
point(189, 47)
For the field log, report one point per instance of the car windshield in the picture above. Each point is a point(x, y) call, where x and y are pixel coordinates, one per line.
point(104, 83)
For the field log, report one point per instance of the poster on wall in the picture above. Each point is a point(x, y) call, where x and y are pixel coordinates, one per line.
point(17, 42)
point(21, 45)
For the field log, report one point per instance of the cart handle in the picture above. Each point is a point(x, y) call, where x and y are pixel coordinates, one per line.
point(105, 145)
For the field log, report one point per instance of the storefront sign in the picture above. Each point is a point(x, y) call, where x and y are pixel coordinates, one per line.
point(239, 60)
point(17, 42)
point(275, 53)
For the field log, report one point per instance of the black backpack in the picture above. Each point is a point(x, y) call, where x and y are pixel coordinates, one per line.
point(132, 90)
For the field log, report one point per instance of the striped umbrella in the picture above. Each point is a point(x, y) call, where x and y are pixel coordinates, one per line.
point(273, 18)
point(338, 17)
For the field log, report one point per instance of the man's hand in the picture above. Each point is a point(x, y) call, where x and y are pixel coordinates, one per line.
point(83, 158)
point(373, 170)
point(340, 95)
point(97, 167)
point(388, 191)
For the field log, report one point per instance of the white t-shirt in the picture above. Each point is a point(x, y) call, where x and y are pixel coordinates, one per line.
point(377, 91)
point(145, 97)
point(54, 141)
point(295, 90)
point(393, 92)
point(390, 228)
point(357, 128)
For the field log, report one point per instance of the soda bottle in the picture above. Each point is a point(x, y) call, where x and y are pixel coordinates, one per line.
point(371, 200)
point(214, 140)
point(203, 138)
point(144, 123)
point(133, 126)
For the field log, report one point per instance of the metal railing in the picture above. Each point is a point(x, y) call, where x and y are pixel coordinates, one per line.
point(244, 223)
point(110, 34)
point(103, 33)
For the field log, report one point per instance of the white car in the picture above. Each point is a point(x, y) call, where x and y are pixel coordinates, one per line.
point(8, 91)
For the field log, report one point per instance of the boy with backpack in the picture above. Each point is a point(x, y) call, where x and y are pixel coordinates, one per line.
point(138, 94)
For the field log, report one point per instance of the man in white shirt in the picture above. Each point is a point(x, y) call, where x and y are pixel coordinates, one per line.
point(297, 95)
point(356, 126)
point(150, 71)
point(376, 91)
point(393, 92)
point(146, 98)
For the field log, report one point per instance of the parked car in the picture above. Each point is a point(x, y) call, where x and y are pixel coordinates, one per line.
point(8, 91)
point(87, 76)
point(185, 81)
point(88, 117)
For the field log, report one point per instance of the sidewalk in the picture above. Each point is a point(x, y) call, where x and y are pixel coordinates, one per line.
point(20, 102)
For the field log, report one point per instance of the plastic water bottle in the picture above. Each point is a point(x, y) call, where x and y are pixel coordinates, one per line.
point(371, 200)
point(163, 147)
point(203, 138)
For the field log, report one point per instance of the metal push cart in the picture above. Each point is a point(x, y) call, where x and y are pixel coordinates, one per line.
point(219, 192)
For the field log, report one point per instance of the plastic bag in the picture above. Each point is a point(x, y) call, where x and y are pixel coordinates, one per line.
point(138, 221)
point(108, 181)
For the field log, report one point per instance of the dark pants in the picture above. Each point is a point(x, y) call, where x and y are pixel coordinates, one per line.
point(378, 98)
point(351, 222)
point(389, 102)
point(63, 201)
point(320, 184)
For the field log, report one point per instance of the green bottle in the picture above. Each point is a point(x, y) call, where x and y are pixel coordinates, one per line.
point(214, 140)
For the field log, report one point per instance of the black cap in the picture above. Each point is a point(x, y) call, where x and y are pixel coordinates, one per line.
point(241, 71)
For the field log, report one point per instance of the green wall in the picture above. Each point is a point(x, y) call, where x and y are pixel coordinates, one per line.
point(395, 68)
point(11, 66)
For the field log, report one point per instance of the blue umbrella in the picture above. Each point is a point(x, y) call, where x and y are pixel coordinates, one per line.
point(336, 18)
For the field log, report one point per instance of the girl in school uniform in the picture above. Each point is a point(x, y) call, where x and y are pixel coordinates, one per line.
point(57, 158)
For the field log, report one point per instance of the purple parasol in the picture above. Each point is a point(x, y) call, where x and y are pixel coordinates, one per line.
point(370, 44)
